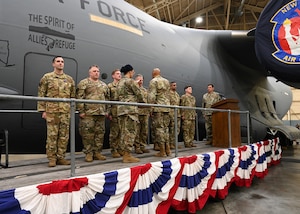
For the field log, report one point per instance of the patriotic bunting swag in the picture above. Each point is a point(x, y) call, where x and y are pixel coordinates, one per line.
point(183, 183)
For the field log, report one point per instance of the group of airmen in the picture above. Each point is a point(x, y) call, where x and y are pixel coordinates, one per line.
point(128, 123)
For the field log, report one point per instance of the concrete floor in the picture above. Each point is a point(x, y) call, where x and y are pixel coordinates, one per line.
point(278, 192)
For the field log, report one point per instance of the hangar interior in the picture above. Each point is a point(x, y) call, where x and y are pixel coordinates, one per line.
point(214, 15)
point(205, 14)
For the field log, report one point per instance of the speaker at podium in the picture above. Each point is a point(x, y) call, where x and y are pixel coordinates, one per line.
point(220, 127)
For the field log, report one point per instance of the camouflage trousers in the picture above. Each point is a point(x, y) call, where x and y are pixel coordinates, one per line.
point(114, 135)
point(127, 124)
point(208, 127)
point(161, 122)
point(172, 129)
point(92, 130)
point(188, 127)
point(58, 126)
point(142, 132)
point(152, 131)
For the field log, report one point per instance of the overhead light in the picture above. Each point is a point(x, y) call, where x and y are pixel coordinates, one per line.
point(199, 19)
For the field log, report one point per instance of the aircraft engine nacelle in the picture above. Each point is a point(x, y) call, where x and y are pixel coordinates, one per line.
point(277, 40)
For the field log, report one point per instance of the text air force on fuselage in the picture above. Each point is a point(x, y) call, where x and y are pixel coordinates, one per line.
point(107, 10)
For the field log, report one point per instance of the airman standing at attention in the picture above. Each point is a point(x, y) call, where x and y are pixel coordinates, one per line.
point(92, 116)
point(114, 134)
point(142, 127)
point(209, 98)
point(174, 100)
point(159, 93)
point(188, 117)
point(128, 91)
point(56, 84)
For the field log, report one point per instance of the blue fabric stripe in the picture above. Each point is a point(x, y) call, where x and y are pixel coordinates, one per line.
point(244, 164)
point(194, 180)
point(100, 200)
point(144, 196)
point(9, 204)
point(227, 166)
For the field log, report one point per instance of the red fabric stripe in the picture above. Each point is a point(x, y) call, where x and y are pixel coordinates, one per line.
point(135, 172)
point(61, 186)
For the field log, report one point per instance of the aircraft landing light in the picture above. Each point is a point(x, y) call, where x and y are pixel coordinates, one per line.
point(112, 23)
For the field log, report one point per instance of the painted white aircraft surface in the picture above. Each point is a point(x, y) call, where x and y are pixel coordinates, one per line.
point(114, 33)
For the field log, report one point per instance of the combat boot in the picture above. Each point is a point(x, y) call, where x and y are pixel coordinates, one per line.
point(193, 145)
point(172, 146)
point(89, 157)
point(63, 162)
point(52, 163)
point(168, 150)
point(99, 156)
point(208, 142)
point(115, 154)
point(144, 150)
point(162, 152)
point(187, 145)
point(156, 147)
point(127, 158)
point(121, 152)
point(138, 151)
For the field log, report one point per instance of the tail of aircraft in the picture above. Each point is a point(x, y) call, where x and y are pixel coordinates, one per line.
point(277, 40)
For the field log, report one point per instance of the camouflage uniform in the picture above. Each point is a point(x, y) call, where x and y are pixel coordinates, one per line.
point(142, 126)
point(174, 100)
point(114, 135)
point(189, 116)
point(152, 132)
point(159, 89)
point(207, 101)
point(92, 125)
point(58, 113)
point(128, 91)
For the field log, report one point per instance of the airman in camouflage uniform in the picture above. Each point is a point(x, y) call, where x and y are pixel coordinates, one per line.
point(188, 117)
point(142, 127)
point(92, 116)
point(128, 91)
point(114, 135)
point(159, 93)
point(56, 84)
point(174, 100)
point(208, 100)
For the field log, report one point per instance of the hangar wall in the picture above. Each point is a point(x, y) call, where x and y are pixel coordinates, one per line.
point(293, 115)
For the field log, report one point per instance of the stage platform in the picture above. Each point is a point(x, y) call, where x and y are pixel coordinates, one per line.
point(277, 192)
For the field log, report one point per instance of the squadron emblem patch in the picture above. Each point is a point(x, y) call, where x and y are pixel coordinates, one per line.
point(277, 39)
point(286, 33)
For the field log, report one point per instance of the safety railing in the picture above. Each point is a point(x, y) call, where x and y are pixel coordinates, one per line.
point(73, 102)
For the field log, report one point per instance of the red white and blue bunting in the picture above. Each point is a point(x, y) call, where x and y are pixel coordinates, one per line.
point(183, 183)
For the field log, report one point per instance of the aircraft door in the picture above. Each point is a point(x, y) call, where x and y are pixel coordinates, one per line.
point(36, 65)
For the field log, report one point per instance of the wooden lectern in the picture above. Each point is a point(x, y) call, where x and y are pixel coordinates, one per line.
point(220, 129)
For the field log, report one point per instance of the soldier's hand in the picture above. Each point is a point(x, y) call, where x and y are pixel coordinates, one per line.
point(82, 115)
point(44, 115)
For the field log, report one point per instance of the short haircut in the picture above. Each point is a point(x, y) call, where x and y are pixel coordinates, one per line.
point(139, 75)
point(210, 84)
point(187, 86)
point(54, 58)
point(94, 66)
point(114, 71)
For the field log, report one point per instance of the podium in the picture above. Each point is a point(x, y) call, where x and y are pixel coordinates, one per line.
point(220, 127)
